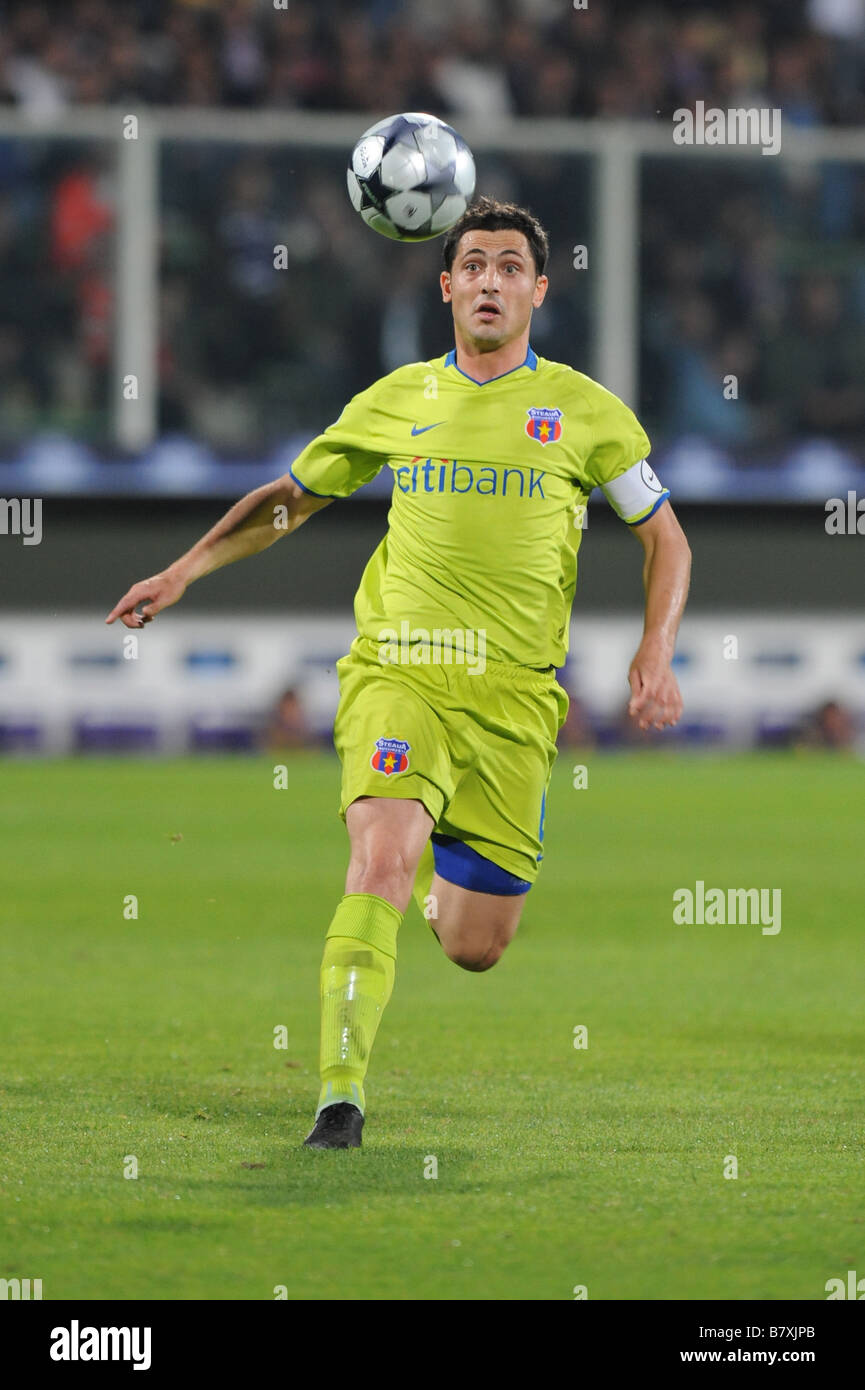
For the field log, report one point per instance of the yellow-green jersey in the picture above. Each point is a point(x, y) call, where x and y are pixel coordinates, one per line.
point(490, 485)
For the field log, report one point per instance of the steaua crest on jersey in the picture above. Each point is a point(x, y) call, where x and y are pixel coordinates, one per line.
point(390, 756)
point(544, 425)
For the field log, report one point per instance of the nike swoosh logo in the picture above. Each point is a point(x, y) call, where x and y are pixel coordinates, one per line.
point(423, 429)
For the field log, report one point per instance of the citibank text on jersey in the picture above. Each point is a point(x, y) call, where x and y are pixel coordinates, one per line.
point(449, 475)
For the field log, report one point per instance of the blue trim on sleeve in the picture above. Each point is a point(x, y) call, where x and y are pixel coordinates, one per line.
point(663, 497)
point(330, 495)
point(530, 360)
point(460, 864)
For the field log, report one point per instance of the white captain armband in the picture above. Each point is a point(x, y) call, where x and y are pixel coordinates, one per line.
point(637, 494)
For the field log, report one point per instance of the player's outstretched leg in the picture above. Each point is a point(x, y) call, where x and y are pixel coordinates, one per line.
point(357, 971)
point(473, 928)
point(473, 924)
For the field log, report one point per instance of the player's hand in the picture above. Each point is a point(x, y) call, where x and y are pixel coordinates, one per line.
point(655, 696)
point(156, 593)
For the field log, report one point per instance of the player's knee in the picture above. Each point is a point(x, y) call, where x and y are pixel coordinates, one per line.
point(379, 870)
point(473, 958)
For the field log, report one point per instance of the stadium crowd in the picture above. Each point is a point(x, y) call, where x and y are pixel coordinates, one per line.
point(459, 57)
point(250, 354)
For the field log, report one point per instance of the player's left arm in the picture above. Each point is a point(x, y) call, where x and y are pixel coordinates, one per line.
point(655, 696)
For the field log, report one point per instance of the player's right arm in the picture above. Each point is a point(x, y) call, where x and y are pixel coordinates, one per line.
point(252, 524)
point(335, 464)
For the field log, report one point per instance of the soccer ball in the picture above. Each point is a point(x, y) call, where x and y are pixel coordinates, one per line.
point(411, 177)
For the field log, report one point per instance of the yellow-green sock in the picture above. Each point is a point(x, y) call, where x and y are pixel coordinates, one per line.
point(357, 974)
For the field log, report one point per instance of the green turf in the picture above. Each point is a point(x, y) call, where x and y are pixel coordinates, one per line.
point(556, 1167)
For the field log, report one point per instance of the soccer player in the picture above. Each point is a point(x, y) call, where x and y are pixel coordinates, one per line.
point(449, 705)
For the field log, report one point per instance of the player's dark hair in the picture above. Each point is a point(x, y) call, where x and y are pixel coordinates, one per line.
point(489, 215)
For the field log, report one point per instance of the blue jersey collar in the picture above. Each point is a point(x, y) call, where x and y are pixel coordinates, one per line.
point(530, 361)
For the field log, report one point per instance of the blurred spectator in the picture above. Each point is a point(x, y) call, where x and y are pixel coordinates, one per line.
point(699, 360)
point(469, 73)
point(815, 366)
point(56, 289)
point(242, 53)
point(577, 731)
point(82, 219)
point(288, 726)
point(830, 726)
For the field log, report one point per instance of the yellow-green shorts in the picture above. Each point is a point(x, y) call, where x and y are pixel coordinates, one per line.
point(476, 749)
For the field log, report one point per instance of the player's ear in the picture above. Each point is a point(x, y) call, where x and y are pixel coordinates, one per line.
point(540, 291)
point(445, 282)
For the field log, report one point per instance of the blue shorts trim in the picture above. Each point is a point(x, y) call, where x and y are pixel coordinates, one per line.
point(460, 864)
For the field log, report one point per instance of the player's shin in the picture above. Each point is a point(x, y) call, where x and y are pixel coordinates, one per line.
point(357, 975)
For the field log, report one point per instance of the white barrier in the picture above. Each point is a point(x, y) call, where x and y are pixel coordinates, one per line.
point(59, 675)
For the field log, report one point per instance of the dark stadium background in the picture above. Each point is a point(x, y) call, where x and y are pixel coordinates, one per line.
point(155, 255)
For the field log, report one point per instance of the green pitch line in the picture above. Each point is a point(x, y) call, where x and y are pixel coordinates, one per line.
point(151, 1039)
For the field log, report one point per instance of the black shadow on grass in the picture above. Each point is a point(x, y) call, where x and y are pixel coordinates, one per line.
point(298, 1177)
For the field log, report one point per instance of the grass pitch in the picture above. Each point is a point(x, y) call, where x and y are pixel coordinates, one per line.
point(152, 1039)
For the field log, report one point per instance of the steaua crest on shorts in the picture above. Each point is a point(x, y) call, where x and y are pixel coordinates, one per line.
point(390, 756)
point(544, 425)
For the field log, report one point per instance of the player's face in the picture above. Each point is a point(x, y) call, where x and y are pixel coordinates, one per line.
point(493, 287)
